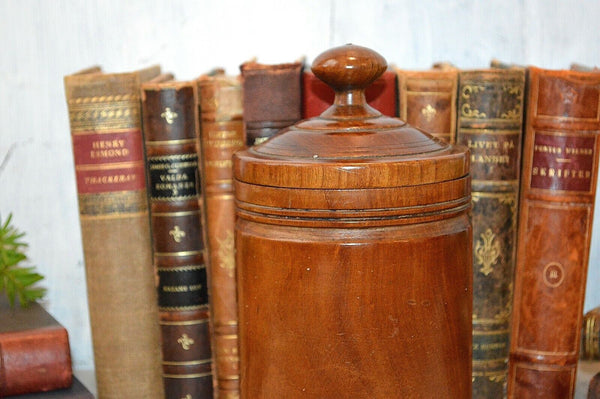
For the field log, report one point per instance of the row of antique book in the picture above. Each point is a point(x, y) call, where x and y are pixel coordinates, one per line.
point(154, 176)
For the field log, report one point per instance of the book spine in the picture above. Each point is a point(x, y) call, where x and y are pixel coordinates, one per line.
point(427, 100)
point(382, 94)
point(25, 370)
point(221, 136)
point(490, 124)
point(104, 113)
point(317, 96)
point(281, 85)
point(171, 139)
point(560, 168)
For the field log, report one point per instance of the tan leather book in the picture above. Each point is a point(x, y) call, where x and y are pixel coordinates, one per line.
point(272, 98)
point(558, 188)
point(105, 123)
point(171, 138)
point(221, 136)
point(427, 100)
point(490, 124)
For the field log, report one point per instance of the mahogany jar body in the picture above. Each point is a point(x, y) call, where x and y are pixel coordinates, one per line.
point(378, 312)
point(360, 292)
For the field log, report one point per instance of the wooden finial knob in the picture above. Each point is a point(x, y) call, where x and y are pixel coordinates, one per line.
point(349, 67)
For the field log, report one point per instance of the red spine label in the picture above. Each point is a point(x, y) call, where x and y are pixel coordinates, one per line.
point(108, 162)
point(563, 162)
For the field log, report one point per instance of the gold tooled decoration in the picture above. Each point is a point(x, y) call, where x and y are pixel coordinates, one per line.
point(467, 112)
point(185, 341)
point(428, 112)
point(177, 234)
point(169, 115)
point(487, 251)
point(225, 253)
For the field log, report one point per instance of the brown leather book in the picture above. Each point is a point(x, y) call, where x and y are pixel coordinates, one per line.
point(272, 98)
point(171, 138)
point(382, 94)
point(221, 136)
point(590, 335)
point(34, 350)
point(105, 120)
point(75, 391)
point(427, 100)
point(490, 124)
point(558, 188)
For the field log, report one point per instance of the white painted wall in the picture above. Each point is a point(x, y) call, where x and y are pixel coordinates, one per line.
point(41, 41)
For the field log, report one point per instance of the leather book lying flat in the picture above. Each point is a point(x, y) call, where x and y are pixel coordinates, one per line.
point(34, 350)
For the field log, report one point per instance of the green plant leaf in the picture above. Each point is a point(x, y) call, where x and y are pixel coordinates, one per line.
point(17, 281)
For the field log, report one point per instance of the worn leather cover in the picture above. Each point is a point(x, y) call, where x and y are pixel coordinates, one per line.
point(105, 120)
point(490, 124)
point(272, 98)
point(34, 350)
point(558, 187)
point(590, 335)
point(382, 94)
point(171, 137)
point(427, 100)
point(221, 136)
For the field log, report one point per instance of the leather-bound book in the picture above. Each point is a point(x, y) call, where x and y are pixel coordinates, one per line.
point(353, 250)
point(75, 391)
point(221, 128)
point(427, 100)
point(272, 98)
point(558, 188)
point(590, 335)
point(171, 138)
point(105, 120)
point(382, 94)
point(34, 350)
point(490, 124)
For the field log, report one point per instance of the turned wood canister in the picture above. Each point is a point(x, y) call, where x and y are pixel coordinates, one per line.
point(353, 242)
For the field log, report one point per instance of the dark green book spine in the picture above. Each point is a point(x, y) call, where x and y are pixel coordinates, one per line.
point(490, 123)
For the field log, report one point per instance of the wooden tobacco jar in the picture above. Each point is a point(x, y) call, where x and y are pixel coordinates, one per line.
point(353, 253)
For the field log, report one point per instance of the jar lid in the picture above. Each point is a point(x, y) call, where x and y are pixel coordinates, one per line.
point(351, 156)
